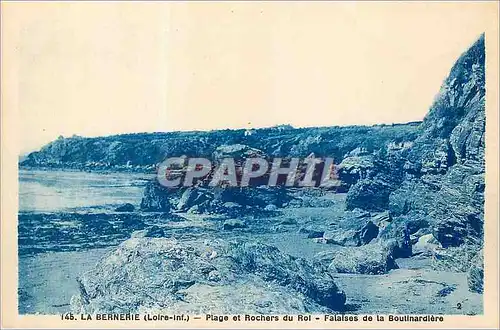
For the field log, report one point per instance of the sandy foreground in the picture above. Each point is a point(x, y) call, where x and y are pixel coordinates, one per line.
point(47, 280)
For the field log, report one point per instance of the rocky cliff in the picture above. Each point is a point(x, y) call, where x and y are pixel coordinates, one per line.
point(444, 185)
point(141, 152)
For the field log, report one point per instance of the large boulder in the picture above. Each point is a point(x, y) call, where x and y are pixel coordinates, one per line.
point(374, 258)
point(167, 276)
point(353, 228)
point(398, 233)
point(412, 196)
point(355, 167)
point(369, 194)
point(379, 174)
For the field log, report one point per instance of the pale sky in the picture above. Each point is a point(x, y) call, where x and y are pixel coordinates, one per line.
point(96, 69)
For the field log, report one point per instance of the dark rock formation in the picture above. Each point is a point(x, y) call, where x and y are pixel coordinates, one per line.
point(369, 194)
point(127, 207)
point(156, 197)
point(231, 201)
point(399, 234)
point(368, 232)
point(385, 174)
point(162, 275)
point(353, 228)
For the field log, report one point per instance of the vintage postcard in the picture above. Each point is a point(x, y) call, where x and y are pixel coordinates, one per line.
point(249, 164)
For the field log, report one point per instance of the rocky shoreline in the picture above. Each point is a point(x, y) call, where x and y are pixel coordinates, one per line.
point(409, 218)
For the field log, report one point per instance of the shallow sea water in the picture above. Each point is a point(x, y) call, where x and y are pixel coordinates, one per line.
point(56, 191)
